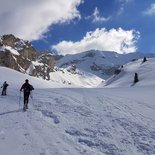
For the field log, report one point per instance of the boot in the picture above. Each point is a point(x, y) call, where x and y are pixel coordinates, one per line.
point(26, 106)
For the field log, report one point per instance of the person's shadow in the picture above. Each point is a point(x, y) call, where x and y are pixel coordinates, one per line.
point(9, 112)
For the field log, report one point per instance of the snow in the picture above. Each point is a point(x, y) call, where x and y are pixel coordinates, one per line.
point(79, 78)
point(76, 121)
point(13, 51)
point(20, 44)
point(104, 59)
point(146, 74)
point(30, 69)
point(2, 49)
point(36, 63)
point(15, 79)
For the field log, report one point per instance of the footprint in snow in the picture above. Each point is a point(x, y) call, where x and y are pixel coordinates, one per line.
point(51, 115)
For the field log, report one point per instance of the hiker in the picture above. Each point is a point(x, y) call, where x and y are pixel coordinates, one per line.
point(136, 78)
point(144, 60)
point(26, 88)
point(5, 85)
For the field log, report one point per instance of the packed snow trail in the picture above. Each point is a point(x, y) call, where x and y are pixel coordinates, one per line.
point(79, 121)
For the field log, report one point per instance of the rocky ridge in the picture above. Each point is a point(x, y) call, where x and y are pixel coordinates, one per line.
point(20, 55)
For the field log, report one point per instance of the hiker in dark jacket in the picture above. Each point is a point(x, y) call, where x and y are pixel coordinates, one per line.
point(5, 85)
point(136, 78)
point(26, 88)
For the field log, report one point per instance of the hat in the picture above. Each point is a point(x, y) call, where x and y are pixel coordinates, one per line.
point(26, 80)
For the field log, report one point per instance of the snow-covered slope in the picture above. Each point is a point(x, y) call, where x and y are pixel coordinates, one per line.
point(78, 78)
point(76, 121)
point(61, 78)
point(146, 74)
point(100, 63)
point(15, 79)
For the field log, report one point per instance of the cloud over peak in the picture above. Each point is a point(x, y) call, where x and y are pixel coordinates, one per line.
point(30, 19)
point(117, 40)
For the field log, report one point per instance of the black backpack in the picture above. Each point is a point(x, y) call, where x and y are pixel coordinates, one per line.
point(28, 88)
point(5, 85)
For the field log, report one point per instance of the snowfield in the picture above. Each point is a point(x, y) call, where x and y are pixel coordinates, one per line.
point(146, 74)
point(79, 78)
point(76, 121)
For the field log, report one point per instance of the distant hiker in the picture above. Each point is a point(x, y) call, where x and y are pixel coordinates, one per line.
point(136, 78)
point(5, 85)
point(27, 88)
point(144, 59)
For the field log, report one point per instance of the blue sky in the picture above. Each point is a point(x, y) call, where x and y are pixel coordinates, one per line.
point(123, 26)
point(125, 14)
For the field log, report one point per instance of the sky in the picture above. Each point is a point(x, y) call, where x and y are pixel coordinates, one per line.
point(74, 26)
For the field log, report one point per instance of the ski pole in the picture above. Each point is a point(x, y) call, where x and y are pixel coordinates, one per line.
point(31, 95)
point(19, 99)
point(1, 90)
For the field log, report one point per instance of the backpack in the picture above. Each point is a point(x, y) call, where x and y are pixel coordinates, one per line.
point(28, 88)
point(5, 85)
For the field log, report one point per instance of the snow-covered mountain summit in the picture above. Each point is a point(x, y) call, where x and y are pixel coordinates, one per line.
point(101, 63)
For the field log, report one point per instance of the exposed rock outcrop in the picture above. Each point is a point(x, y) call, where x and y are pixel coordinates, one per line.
point(20, 55)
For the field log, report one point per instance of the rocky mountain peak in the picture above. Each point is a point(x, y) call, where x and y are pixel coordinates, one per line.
point(20, 55)
point(9, 40)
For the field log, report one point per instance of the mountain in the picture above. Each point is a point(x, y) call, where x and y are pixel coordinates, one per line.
point(145, 71)
point(100, 63)
point(86, 69)
point(16, 53)
point(20, 55)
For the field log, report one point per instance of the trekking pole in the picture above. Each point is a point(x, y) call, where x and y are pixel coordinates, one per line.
point(19, 99)
point(1, 90)
point(31, 95)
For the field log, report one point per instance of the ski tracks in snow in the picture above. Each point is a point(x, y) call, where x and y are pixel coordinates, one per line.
point(137, 132)
point(101, 123)
point(77, 121)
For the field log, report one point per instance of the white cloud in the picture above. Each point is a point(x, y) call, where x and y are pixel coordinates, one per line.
point(123, 3)
point(120, 41)
point(150, 10)
point(96, 17)
point(30, 19)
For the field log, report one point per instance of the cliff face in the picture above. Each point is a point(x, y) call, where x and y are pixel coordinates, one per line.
point(20, 55)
